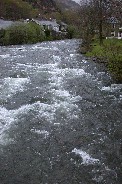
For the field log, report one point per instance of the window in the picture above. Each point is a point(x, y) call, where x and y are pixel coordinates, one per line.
point(113, 33)
point(120, 34)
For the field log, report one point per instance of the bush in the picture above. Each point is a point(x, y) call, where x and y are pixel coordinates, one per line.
point(111, 50)
point(23, 34)
point(71, 31)
point(48, 35)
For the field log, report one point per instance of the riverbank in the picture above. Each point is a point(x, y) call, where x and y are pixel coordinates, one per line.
point(19, 33)
point(108, 54)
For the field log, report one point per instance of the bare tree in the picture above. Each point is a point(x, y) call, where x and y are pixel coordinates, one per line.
point(94, 14)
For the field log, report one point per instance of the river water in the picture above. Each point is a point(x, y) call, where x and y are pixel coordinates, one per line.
point(60, 117)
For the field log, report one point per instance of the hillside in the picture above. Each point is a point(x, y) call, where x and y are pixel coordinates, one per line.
point(22, 9)
point(67, 4)
point(53, 4)
point(16, 9)
point(46, 5)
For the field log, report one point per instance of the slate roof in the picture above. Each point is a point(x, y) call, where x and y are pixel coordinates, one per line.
point(46, 22)
point(63, 24)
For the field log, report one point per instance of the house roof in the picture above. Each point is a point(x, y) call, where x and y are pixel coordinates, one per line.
point(5, 23)
point(46, 22)
point(63, 24)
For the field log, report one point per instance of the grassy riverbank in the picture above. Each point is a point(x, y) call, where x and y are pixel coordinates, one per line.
point(110, 51)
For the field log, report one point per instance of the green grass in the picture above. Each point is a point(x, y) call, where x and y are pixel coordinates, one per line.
point(111, 50)
point(96, 51)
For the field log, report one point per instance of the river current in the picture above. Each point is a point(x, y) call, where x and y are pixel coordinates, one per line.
point(60, 117)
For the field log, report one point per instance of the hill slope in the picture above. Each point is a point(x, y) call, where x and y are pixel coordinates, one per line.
point(67, 4)
point(16, 9)
point(43, 4)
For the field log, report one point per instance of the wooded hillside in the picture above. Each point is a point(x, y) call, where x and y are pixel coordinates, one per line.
point(18, 9)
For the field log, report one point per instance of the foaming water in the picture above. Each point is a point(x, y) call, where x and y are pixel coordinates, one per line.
point(112, 88)
point(5, 118)
point(9, 117)
point(86, 158)
point(10, 86)
point(39, 47)
point(5, 56)
point(41, 132)
point(41, 110)
point(60, 117)
point(62, 101)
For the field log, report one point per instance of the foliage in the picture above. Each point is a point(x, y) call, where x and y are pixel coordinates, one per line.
point(88, 23)
point(47, 32)
point(72, 18)
point(48, 36)
point(23, 33)
point(111, 51)
point(71, 31)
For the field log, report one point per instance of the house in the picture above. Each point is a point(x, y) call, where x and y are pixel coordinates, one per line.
point(63, 26)
point(114, 28)
point(52, 28)
point(48, 24)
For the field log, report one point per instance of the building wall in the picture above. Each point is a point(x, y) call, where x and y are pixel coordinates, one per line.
point(113, 30)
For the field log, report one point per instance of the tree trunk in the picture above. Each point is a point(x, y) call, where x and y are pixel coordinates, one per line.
point(100, 23)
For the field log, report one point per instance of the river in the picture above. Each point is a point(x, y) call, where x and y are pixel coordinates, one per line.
point(60, 117)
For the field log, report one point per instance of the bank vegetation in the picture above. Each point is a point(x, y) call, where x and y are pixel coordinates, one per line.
point(95, 18)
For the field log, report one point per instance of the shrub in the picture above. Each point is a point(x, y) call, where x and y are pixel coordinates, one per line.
point(71, 31)
point(113, 50)
point(23, 33)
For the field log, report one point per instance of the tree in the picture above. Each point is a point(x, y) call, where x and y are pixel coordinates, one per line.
point(87, 21)
point(94, 14)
